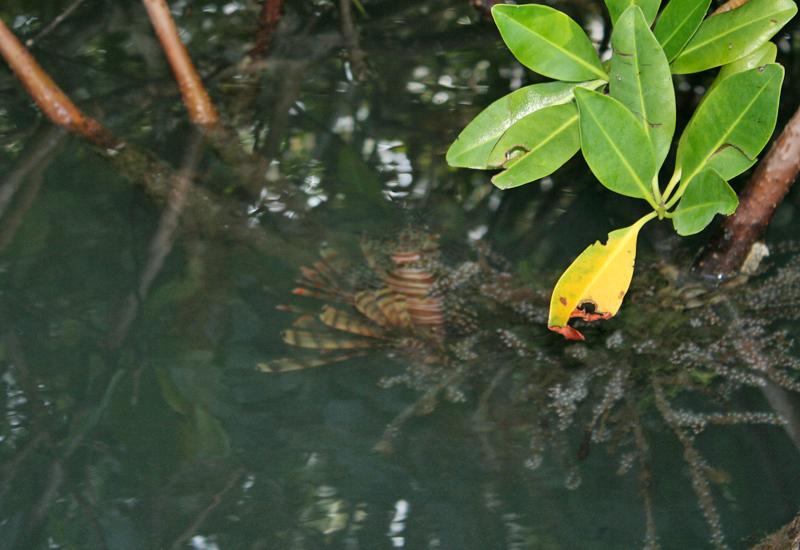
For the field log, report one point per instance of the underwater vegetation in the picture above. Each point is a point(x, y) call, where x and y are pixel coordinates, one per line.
point(687, 359)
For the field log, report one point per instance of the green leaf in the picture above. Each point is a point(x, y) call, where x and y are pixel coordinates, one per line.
point(728, 36)
point(678, 23)
point(707, 195)
point(475, 143)
point(548, 42)
point(600, 275)
point(764, 55)
point(615, 145)
point(731, 125)
point(617, 7)
point(537, 145)
point(641, 79)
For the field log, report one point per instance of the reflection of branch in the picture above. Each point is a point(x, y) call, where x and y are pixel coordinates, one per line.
point(195, 97)
point(214, 214)
point(162, 242)
point(33, 157)
point(764, 192)
point(776, 396)
point(31, 168)
point(9, 469)
point(69, 10)
point(358, 59)
point(697, 469)
point(55, 478)
point(216, 500)
point(270, 17)
point(384, 446)
point(90, 512)
point(288, 93)
point(645, 477)
point(10, 224)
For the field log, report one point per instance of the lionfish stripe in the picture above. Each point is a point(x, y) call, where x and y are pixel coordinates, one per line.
point(341, 320)
point(306, 320)
point(343, 297)
point(394, 307)
point(406, 257)
point(367, 303)
point(327, 274)
point(314, 340)
point(409, 288)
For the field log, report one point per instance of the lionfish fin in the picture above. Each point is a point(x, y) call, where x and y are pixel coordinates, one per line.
point(346, 322)
point(321, 341)
point(289, 364)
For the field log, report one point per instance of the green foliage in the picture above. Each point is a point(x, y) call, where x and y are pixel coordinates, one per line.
point(625, 120)
point(764, 55)
point(732, 125)
point(537, 145)
point(678, 22)
point(707, 196)
point(616, 145)
point(724, 38)
point(641, 80)
point(648, 7)
point(548, 42)
point(476, 142)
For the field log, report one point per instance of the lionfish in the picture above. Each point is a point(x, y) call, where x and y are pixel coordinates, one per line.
point(393, 304)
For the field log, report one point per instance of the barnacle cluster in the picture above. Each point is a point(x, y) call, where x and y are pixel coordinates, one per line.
point(680, 357)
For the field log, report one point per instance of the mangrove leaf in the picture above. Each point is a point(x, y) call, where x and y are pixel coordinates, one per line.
point(617, 7)
point(764, 55)
point(537, 145)
point(548, 42)
point(594, 285)
point(475, 142)
point(615, 145)
point(678, 23)
point(707, 196)
point(728, 36)
point(641, 79)
point(732, 124)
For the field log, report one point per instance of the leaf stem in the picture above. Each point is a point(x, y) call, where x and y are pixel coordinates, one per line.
point(676, 177)
point(656, 190)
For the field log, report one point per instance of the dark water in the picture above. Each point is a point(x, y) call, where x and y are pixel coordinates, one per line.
point(135, 416)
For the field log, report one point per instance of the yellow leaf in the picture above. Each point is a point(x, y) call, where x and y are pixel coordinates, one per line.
point(595, 284)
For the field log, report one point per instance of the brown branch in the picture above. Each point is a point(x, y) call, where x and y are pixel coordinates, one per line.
point(729, 6)
point(766, 189)
point(48, 96)
point(195, 97)
point(205, 212)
